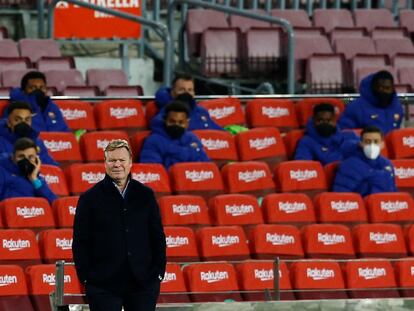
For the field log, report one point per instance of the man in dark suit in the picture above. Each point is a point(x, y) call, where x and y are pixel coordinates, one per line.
point(119, 243)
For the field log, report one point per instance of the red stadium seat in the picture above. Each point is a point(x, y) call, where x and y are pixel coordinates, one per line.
point(183, 210)
point(137, 140)
point(297, 18)
point(8, 48)
point(330, 172)
point(103, 78)
point(13, 292)
point(12, 77)
point(393, 46)
point(330, 19)
point(62, 79)
point(270, 241)
point(63, 147)
point(173, 287)
point(379, 240)
point(353, 46)
point(36, 48)
point(245, 23)
point(409, 236)
point(55, 179)
point(64, 210)
point(304, 108)
point(404, 273)
point(151, 110)
point(181, 244)
point(152, 175)
point(401, 143)
point(222, 243)
point(55, 63)
point(288, 208)
point(124, 90)
point(13, 63)
point(82, 176)
point(372, 18)
point(224, 111)
point(404, 174)
point(390, 207)
point(291, 140)
point(56, 244)
point(77, 114)
point(81, 90)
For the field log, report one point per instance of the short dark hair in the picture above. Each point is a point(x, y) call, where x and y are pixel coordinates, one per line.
point(177, 106)
point(322, 107)
point(382, 75)
point(182, 76)
point(371, 129)
point(18, 105)
point(23, 144)
point(32, 75)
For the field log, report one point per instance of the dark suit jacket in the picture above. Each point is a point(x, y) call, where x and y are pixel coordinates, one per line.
point(111, 231)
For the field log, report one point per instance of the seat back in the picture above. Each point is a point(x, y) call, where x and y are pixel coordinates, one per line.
point(400, 143)
point(8, 48)
point(56, 244)
point(34, 49)
point(390, 207)
point(404, 174)
point(392, 46)
point(102, 78)
point(63, 147)
point(181, 244)
point(13, 292)
point(61, 79)
point(404, 276)
point(329, 19)
point(77, 114)
point(371, 18)
point(19, 246)
point(82, 176)
point(224, 111)
point(65, 210)
point(55, 179)
point(354, 45)
point(297, 18)
point(152, 175)
point(173, 289)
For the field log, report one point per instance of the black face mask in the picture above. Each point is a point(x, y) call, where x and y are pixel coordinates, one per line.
point(175, 131)
point(41, 99)
point(185, 98)
point(325, 129)
point(384, 99)
point(25, 166)
point(23, 129)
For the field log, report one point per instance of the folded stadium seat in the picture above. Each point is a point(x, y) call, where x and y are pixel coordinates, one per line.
point(3, 32)
point(8, 48)
point(400, 143)
point(271, 241)
point(64, 210)
point(245, 23)
point(19, 247)
point(12, 77)
point(13, 292)
point(41, 281)
point(55, 179)
point(137, 140)
point(317, 280)
point(300, 176)
point(34, 49)
point(372, 18)
point(56, 244)
point(27, 213)
point(124, 90)
point(327, 241)
point(211, 282)
point(330, 19)
point(406, 75)
point(55, 63)
point(152, 175)
point(184, 210)
point(396, 207)
point(13, 63)
point(253, 177)
point(288, 208)
point(330, 173)
point(278, 113)
point(345, 208)
point(224, 111)
point(345, 32)
point(81, 90)
point(297, 18)
point(261, 144)
point(234, 209)
point(379, 240)
point(291, 140)
point(103, 78)
point(370, 279)
point(304, 108)
point(220, 146)
point(404, 269)
point(392, 46)
point(77, 114)
point(181, 244)
point(409, 236)
point(4, 91)
point(351, 47)
point(93, 144)
point(199, 178)
point(221, 52)
point(361, 73)
point(399, 88)
point(256, 279)
point(404, 175)
point(406, 19)
point(62, 78)
point(82, 176)
point(222, 243)
point(367, 61)
point(403, 60)
point(198, 20)
point(121, 114)
point(62, 147)
point(389, 32)
point(173, 289)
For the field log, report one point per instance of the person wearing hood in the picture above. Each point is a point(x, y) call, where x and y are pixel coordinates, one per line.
point(323, 140)
point(183, 90)
point(366, 171)
point(173, 143)
point(18, 124)
point(47, 116)
point(377, 105)
point(24, 168)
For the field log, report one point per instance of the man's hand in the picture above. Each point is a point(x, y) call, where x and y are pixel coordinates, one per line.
point(37, 163)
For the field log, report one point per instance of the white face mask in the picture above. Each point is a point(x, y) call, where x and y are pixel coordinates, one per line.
point(372, 151)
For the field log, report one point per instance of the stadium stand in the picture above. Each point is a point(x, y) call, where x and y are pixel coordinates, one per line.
point(224, 111)
point(55, 244)
point(152, 175)
point(173, 288)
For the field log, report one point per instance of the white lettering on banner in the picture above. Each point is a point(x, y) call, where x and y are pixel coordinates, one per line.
point(92, 178)
point(300, 175)
point(212, 277)
point(146, 178)
point(262, 143)
point(275, 112)
point(74, 114)
point(221, 113)
point(197, 176)
point(330, 239)
point(408, 141)
point(15, 245)
point(292, 207)
point(186, 209)
point(123, 113)
point(382, 238)
point(6, 280)
point(393, 207)
point(56, 146)
point(264, 275)
point(169, 277)
point(72, 210)
point(239, 210)
point(51, 279)
point(225, 241)
point(344, 207)
point(114, 3)
point(64, 244)
point(250, 176)
point(101, 144)
point(371, 273)
point(30, 212)
point(404, 173)
point(177, 241)
point(280, 239)
point(50, 179)
point(320, 274)
point(214, 144)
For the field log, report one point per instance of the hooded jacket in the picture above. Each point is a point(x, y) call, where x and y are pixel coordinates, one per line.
point(365, 176)
point(159, 147)
point(324, 149)
point(365, 111)
point(50, 120)
point(7, 140)
point(199, 117)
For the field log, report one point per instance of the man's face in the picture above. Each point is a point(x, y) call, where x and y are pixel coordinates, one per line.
point(118, 164)
point(182, 86)
point(324, 117)
point(35, 84)
point(384, 87)
point(18, 116)
point(29, 153)
point(372, 138)
point(177, 118)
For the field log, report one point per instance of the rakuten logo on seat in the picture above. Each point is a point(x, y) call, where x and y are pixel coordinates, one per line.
point(292, 207)
point(146, 178)
point(393, 206)
point(213, 277)
point(73, 114)
point(264, 275)
point(302, 175)
point(344, 207)
point(371, 273)
point(197, 176)
point(92, 178)
point(222, 112)
point(280, 239)
point(262, 143)
point(250, 176)
point(408, 141)
point(330, 239)
point(101, 144)
point(123, 113)
point(382, 238)
point(225, 241)
point(277, 112)
point(50, 279)
point(64, 244)
point(6, 280)
point(404, 173)
point(30, 212)
point(15, 245)
point(186, 209)
point(50, 179)
point(239, 210)
point(72, 210)
point(56, 146)
point(320, 274)
point(177, 241)
point(169, 277)
point(214, 144)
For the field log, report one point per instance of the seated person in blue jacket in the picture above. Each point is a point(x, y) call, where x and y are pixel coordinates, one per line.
point(24, 167)
point(377, 105)
point(17, 125)
point(47, 116)
point(173, 143)
point(323, 140)
point(366, 171)
point(183, 90)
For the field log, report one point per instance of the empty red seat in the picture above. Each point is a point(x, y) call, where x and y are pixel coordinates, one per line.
point(253, 177)
point(401, 143)
point(370, 279)
point(13, 63)
point(224, 111)
point(371, 18)
point(304, 107)
point(124, 90)
point(297, 18)
point(403, 61)
point(404, 174)
point(173, 287)
point(330, 19)
point(55, 179)
point(345, 208)
point(63, 147)
point(404, 273)
point(235, 209)
point(8, 48)
point(61, 79)
point(409, 235)
point(392, 46)
point(56, 244)
point(245, 23)
point(46, 63)
point(81, 90)
point(222, 243)
point(65, 210)
point(379, 240)
point(34, 49)
point(102, 78)
point(152, 175)
point(77, 114)
point(13, 292)
point(291, 140)
point(390, 207)
point(354, 45)
point(181, 244)
point(406, 19)
point(82, 176)
point(270, 241)
point(137, 140)
point(406, 76)
point(13, 77)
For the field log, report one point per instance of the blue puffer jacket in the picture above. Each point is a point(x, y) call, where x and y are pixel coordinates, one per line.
point(50, 120)
point(365, 111)
point(21, 186)
point(159, 147)
point(7, 140)
point(315, 147)
point(199, 117)
point(365, 176)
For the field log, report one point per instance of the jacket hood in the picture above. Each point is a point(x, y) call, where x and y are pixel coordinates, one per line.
point(163, 98)
point(365, 90)
point(17, 94)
